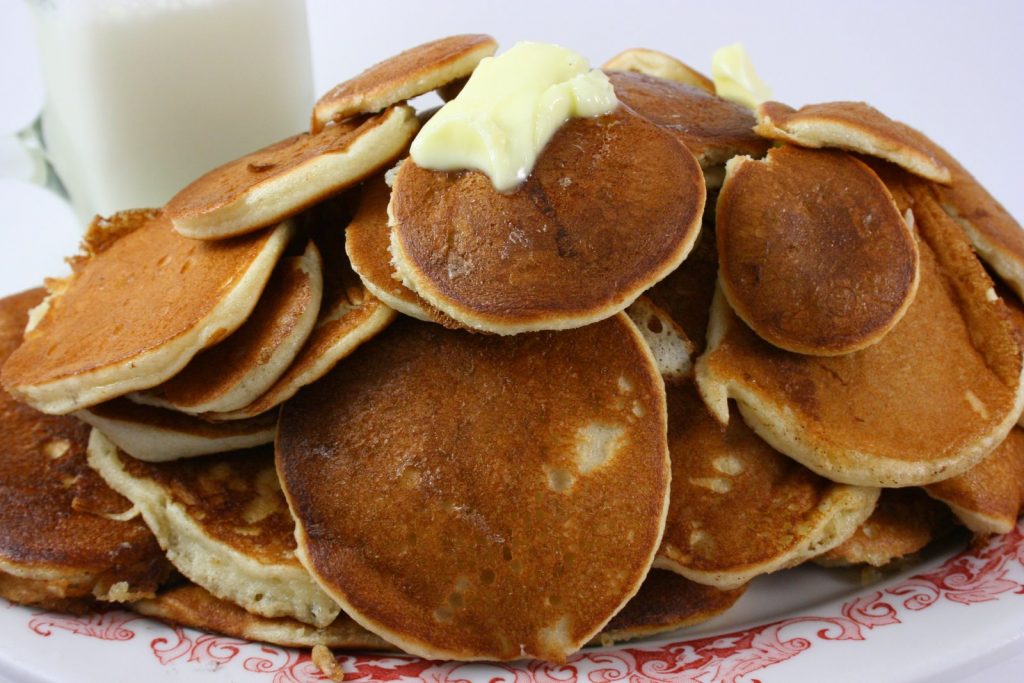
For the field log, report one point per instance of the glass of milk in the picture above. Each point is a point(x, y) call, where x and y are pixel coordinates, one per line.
point(143, 96)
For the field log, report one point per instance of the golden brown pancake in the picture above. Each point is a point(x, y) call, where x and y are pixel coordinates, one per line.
point(659, 65)
point(368, 245)
point(408, 74)
point(64, 537)
point(240, 369)
point(192, 606)
point(715, 130)
point(904, 522)
point(224, 524)
point(813, 253)
point(671, 348)
point(141, 302)
point(666, 602)
point(157, 435)
point(281, 180)
point(988, 498)
point(612, 206)
point(527, 478)
point(349, 316)
point(739, 508)
point(854, 126)
point(926, 403)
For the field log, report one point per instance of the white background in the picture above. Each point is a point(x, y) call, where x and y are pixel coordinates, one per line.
point(953, 69)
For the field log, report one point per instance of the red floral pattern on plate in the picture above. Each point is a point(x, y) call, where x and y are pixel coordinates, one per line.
point(974, 576)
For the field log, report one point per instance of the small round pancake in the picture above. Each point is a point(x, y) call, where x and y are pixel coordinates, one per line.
point(660, 65)
point(715, 130)
point(612, 206)
point(671, 348)
point(157, 435)
point(527, 477)
point(192, 606)
point(240, 369)
point(904, 522)
point(926, 403)
point(853, 126)
point(368, 245)
point(349, 316)
point(813, 253)
point(281, 180)
point(989, 497)
point(140, 303)
point(64, 537)
point(666, 602)
point(408, 74)
point(739, 508)
point(224, 524)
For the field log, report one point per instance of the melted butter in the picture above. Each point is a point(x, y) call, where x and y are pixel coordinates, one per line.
point(508, 111)
point(735, 78)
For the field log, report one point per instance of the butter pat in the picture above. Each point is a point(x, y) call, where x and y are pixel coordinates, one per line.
point(508, 111)
point(735, 78)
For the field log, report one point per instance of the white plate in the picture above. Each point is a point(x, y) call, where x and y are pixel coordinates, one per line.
point(950, 612)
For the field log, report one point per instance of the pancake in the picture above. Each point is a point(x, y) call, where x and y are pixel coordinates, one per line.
point(813, 253)
point(739, 508)
point(988, 498)
point(408, 74)
point(349, 316)
point(659, 65)
point(65, 537)
point(368, 245)
point(926, 403)
point(669, 345)
point(612, 206)
point(528, 481)
point(158, 435)
point(904, 522)
point(191, 606)
point(141, 302)
point(240, 369)
point(281, 180)
point(715, 130)
point(853, 126)
point(666, 602)
point(224, 524)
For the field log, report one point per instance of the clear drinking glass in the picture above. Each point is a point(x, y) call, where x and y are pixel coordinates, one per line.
point(143, 96)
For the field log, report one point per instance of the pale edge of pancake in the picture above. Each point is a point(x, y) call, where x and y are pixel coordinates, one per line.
point(842, 512)
point(1008, 268)
point(660, 65)
point(978, 522)
point(261, 377)
point(330, 107)
point(153, 444)
point(671, 348)
point(270, 590)
point(421, 649)
point(410, 276)
point(371, 327)
point(821, 132)
point(778, 427)
point(304, 184)
point(153, 367)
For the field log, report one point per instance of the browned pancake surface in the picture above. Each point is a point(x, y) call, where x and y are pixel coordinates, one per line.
point(813, 252)
point(904, 522)
point(406, 75)
point(162, 419)
point(528, 479)
point(132, 296)
point(714, 129)
point(989, 497)
point(661, 65)
point(612, 206)
point(53, 506)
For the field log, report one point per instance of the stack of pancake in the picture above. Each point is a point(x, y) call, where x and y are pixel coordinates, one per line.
point(326, 397)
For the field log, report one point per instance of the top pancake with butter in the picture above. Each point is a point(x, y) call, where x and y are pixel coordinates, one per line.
point(140, 303)
point(611, 207)
point(414, 72)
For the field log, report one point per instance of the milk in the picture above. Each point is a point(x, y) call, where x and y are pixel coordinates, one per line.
point(143, 96)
